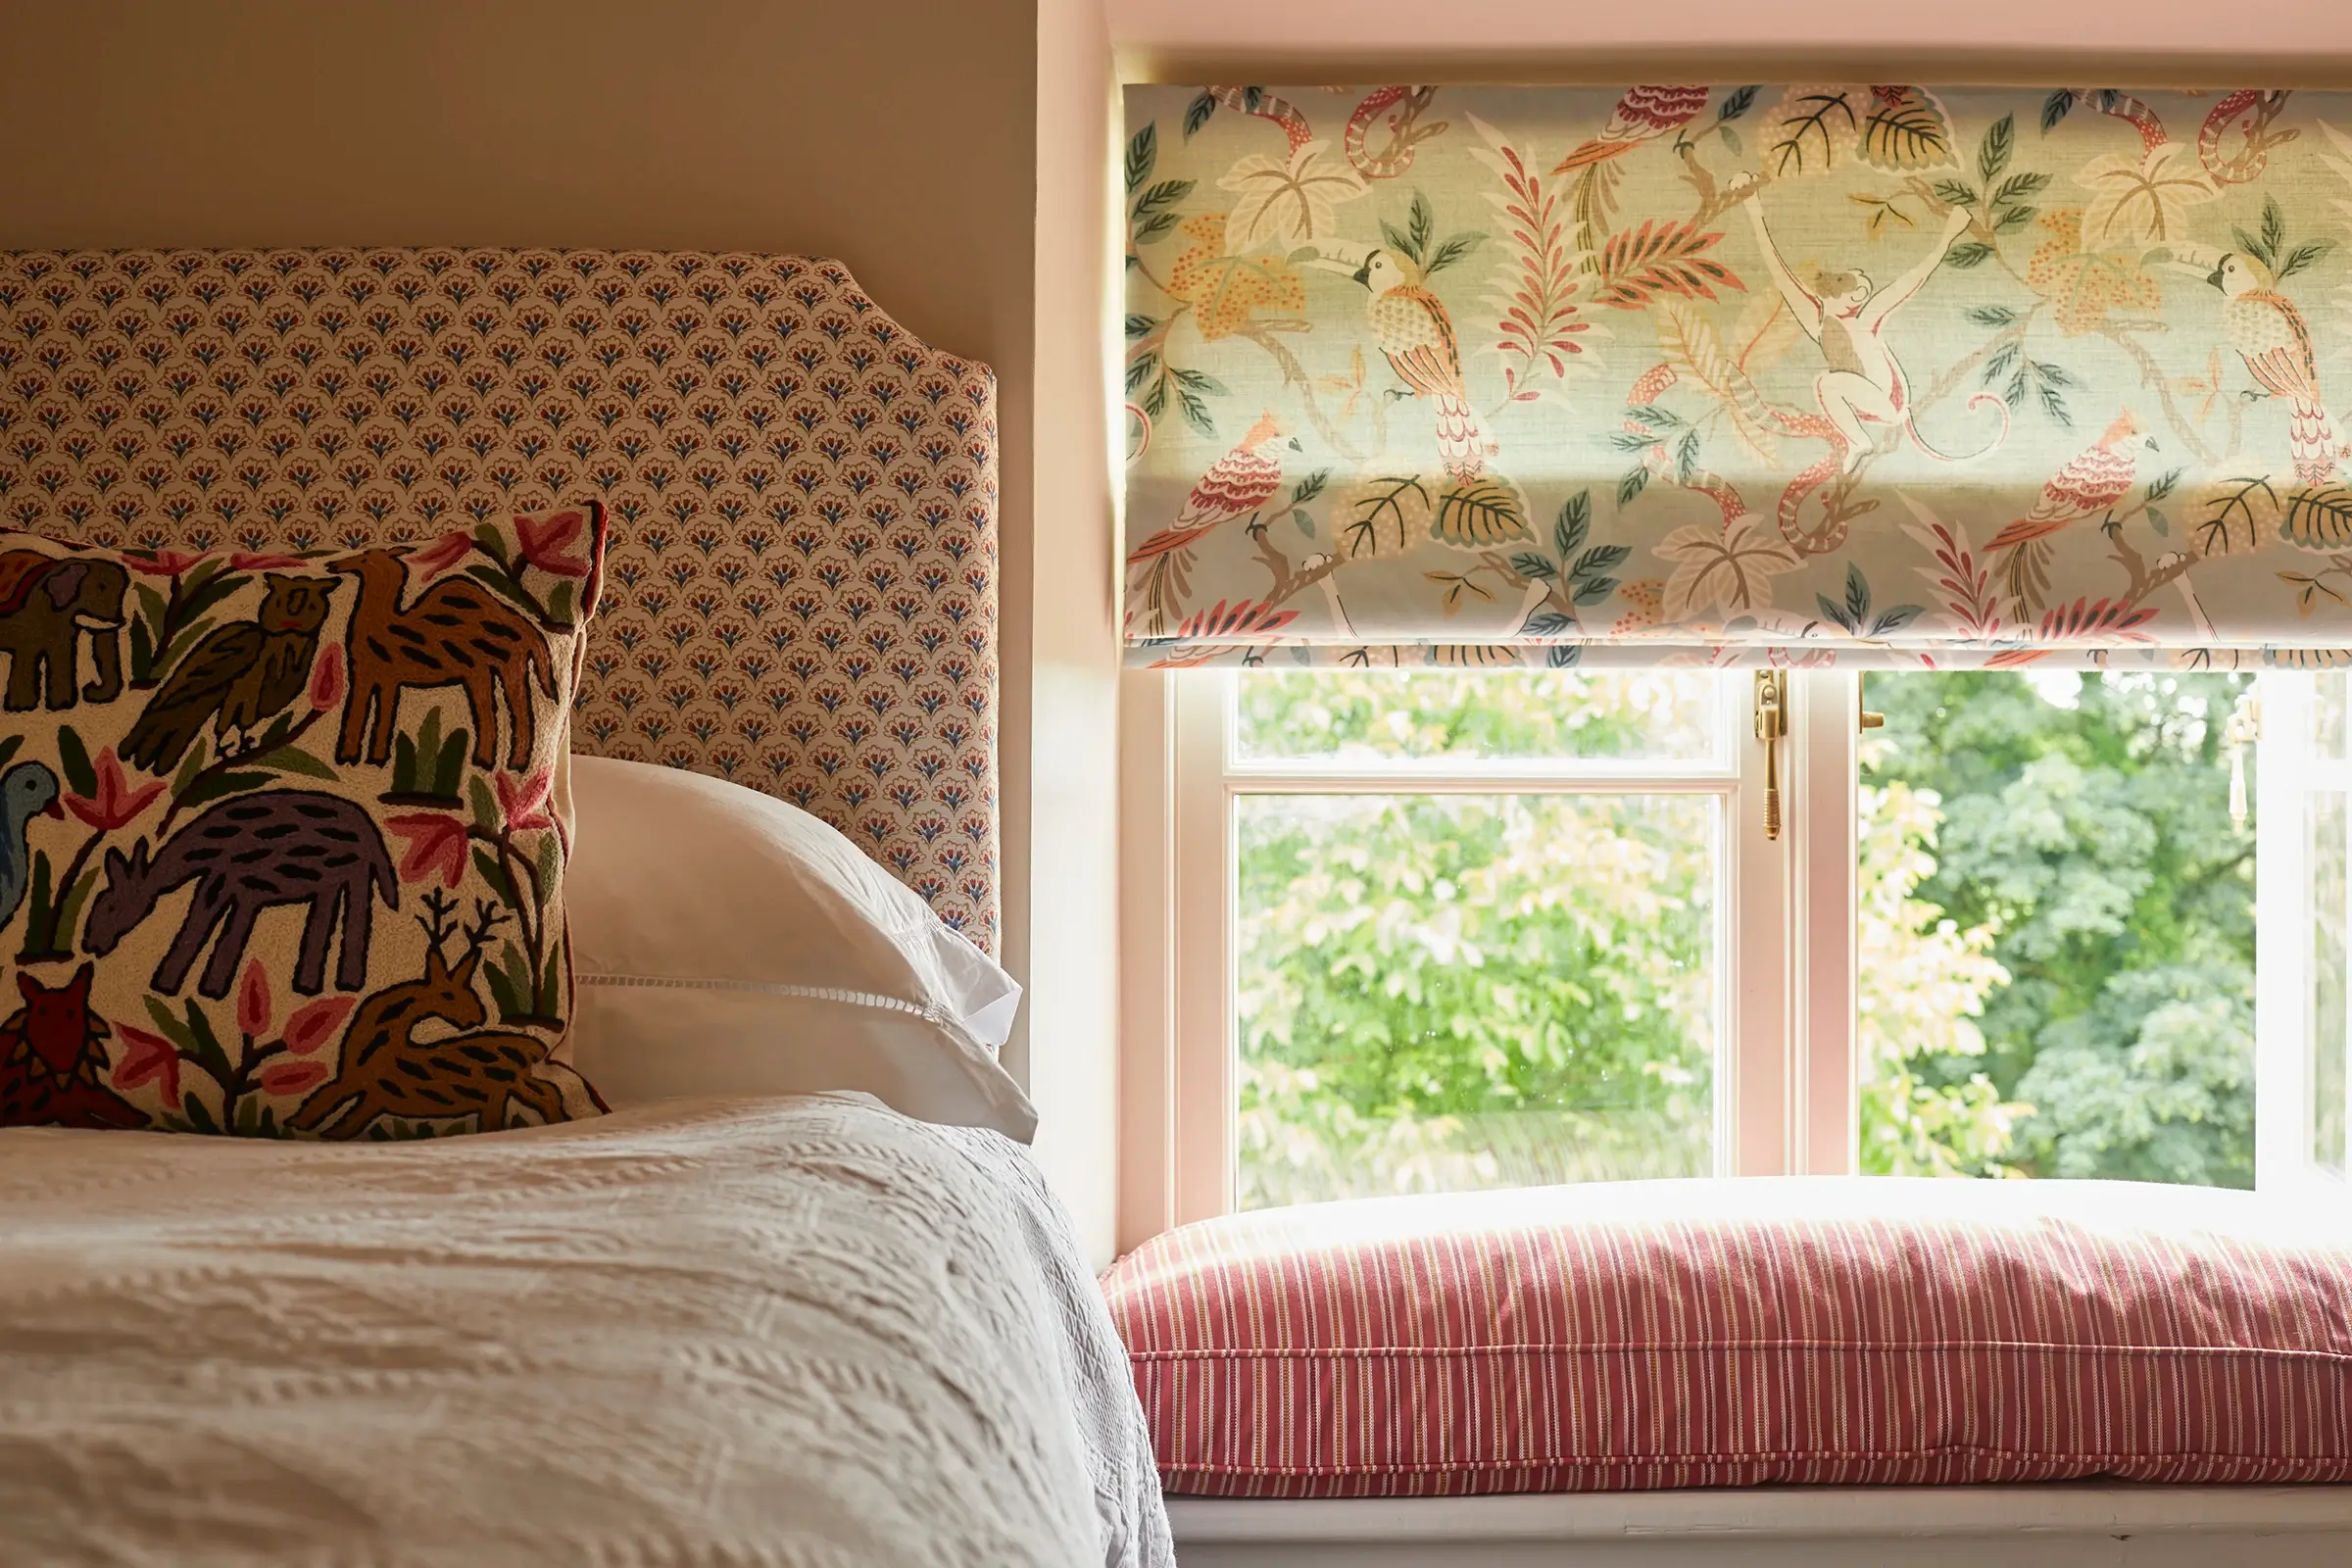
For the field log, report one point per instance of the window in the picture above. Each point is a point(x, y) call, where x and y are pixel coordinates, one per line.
point(2056, 904)
point(1445, 929)
point(1477, 930)
point(2304, 1092)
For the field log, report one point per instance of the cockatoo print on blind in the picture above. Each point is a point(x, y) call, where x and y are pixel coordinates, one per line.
point(1869, 375)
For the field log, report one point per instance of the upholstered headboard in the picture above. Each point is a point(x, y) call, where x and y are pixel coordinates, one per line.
point(801, 586)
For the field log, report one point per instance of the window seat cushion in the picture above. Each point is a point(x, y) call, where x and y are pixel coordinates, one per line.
point(1733, 1332)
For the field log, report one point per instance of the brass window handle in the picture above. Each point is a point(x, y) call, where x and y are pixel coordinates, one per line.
point(1772, 727)
point(2242, 729)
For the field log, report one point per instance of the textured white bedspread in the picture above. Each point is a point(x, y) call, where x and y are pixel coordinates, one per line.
point(800, 1331)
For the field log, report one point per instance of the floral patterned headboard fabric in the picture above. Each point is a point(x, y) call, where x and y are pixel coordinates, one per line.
point(1878, 374)
point(801, 585)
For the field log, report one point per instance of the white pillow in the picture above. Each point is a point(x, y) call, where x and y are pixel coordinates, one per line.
point(724, 941)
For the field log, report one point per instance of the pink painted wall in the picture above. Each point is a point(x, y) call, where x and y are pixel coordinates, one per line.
point(1070, 655)
point(2295, 38)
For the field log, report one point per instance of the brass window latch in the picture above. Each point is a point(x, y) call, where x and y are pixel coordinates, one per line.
point(2244, 728)
point(1772, 727)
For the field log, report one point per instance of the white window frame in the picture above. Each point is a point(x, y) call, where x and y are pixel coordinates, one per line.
point(1779, 1111)
point(1786, 1076)
point(2290, 776)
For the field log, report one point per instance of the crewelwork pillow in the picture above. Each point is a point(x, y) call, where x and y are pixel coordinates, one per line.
point(281, 848)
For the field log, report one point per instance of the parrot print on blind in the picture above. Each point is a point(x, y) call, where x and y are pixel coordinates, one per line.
point(1878, 375)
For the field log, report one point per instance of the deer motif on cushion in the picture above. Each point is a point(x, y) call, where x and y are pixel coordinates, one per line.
point(246, 854)
point(387, 1071)
point(458, 634)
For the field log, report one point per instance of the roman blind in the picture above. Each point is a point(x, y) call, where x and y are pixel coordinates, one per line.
point(1878, 374)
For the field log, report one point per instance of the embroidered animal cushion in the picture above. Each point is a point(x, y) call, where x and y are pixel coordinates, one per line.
point(283, 837)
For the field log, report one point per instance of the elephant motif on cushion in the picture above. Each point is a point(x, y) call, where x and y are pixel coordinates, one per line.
point(46, 603)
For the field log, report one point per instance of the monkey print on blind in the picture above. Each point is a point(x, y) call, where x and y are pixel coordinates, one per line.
point(1839, 373)
point(279, 849)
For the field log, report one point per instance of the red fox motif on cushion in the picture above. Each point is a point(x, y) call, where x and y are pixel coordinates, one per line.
point(53, 1060)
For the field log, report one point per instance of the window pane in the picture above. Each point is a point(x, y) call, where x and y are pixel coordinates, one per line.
point(2330, 698)
point(2057, 929)
point(1372, 717)
point(1445, 992)
point(2328, 1022)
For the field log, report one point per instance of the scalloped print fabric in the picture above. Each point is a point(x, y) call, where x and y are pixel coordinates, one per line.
point(801, 582)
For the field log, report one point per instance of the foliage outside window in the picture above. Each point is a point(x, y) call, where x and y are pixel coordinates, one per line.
point(1436, 992)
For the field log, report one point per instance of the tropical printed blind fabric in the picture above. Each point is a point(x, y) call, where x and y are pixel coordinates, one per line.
point(1669, 374)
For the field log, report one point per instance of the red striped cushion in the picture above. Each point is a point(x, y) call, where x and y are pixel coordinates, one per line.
point(1709, 1333)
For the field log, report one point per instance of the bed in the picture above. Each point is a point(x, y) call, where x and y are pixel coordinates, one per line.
point(751, 1328)
point(777, 1329)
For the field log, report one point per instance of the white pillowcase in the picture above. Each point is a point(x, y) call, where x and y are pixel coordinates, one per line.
point(724, 941)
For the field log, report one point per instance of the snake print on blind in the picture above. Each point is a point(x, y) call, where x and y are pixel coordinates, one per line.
point(800, 592)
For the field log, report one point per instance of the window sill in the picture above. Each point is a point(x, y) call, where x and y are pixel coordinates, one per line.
point(2080, 1511)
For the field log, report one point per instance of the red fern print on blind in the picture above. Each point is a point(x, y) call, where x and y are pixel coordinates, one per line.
point(1571, 1340)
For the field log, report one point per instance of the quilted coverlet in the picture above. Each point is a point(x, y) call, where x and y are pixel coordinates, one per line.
point(780, 1332)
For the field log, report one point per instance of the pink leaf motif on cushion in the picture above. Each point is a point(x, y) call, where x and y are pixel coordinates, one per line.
point(114, 804)
point(436, 843)
point(312, 1026)
point(261, 560)
point(544, 538)
point(287, 1077)
point(326, 681)
point(434, 558)
point(148, 1058)
point(524, 801)
point(161, 562)
point(253, 1001)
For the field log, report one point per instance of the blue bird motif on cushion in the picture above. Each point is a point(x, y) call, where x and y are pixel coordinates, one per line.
point(26, 789)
